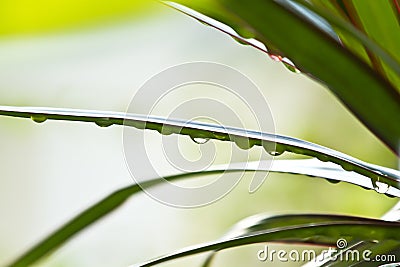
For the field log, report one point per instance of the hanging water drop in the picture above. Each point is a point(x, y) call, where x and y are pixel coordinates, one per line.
point(275, 153)
point(347, 167)
point(200, 140)
point(243, 142)
point(166, 131)
point(274, 149)
point(290, 65)
point(39, 118)
point(104, 122)
point(333, 181)
point(380, 187)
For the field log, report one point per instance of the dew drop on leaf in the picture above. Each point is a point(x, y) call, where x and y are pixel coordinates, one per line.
point(165, 131)
point(333, 181)
point(39, 118)
point(274, 150)
point(289, 65)
point(275, 153)
point(105, 122)
point(200, 140)
point(347, 167)
point(244, 143)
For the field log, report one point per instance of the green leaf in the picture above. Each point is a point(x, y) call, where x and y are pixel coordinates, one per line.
point(83, 220)
point(381, 248)
point(273, 144)
point(294, 229)
point(379, 20)
point(333, 7)
point(287, 31)
point(261, 222)
point(116, 199)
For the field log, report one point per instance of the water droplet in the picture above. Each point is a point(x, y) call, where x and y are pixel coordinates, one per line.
point(347, 167)
point(39, 118)
point(243, 142)
point(104, 122)
point(275, 153)
point(380, 187)
point(200, 140)
point(274, 149)
point(333, 181)
point(290, 65)
point(166, 131)
point(276, 58)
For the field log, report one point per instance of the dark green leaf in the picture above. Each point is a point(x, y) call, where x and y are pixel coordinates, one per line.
point(286, 31)
point(306, 229)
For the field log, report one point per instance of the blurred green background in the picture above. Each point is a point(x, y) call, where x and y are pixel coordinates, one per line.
point(95, 55)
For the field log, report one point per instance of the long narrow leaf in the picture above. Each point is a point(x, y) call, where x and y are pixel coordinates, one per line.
point(381, 248)
point(285, 29)
point(84, 220)
point(326, 230)
point(116, 199)
point(262, 222)
point(361, 14)
point(204, 130)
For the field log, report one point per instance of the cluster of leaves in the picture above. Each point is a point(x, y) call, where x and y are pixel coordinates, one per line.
point(341, 44)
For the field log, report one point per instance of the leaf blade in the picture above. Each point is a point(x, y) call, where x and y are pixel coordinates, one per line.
point(324, 232)
point(206, 130)
point(360, 88)
point(110, 203)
